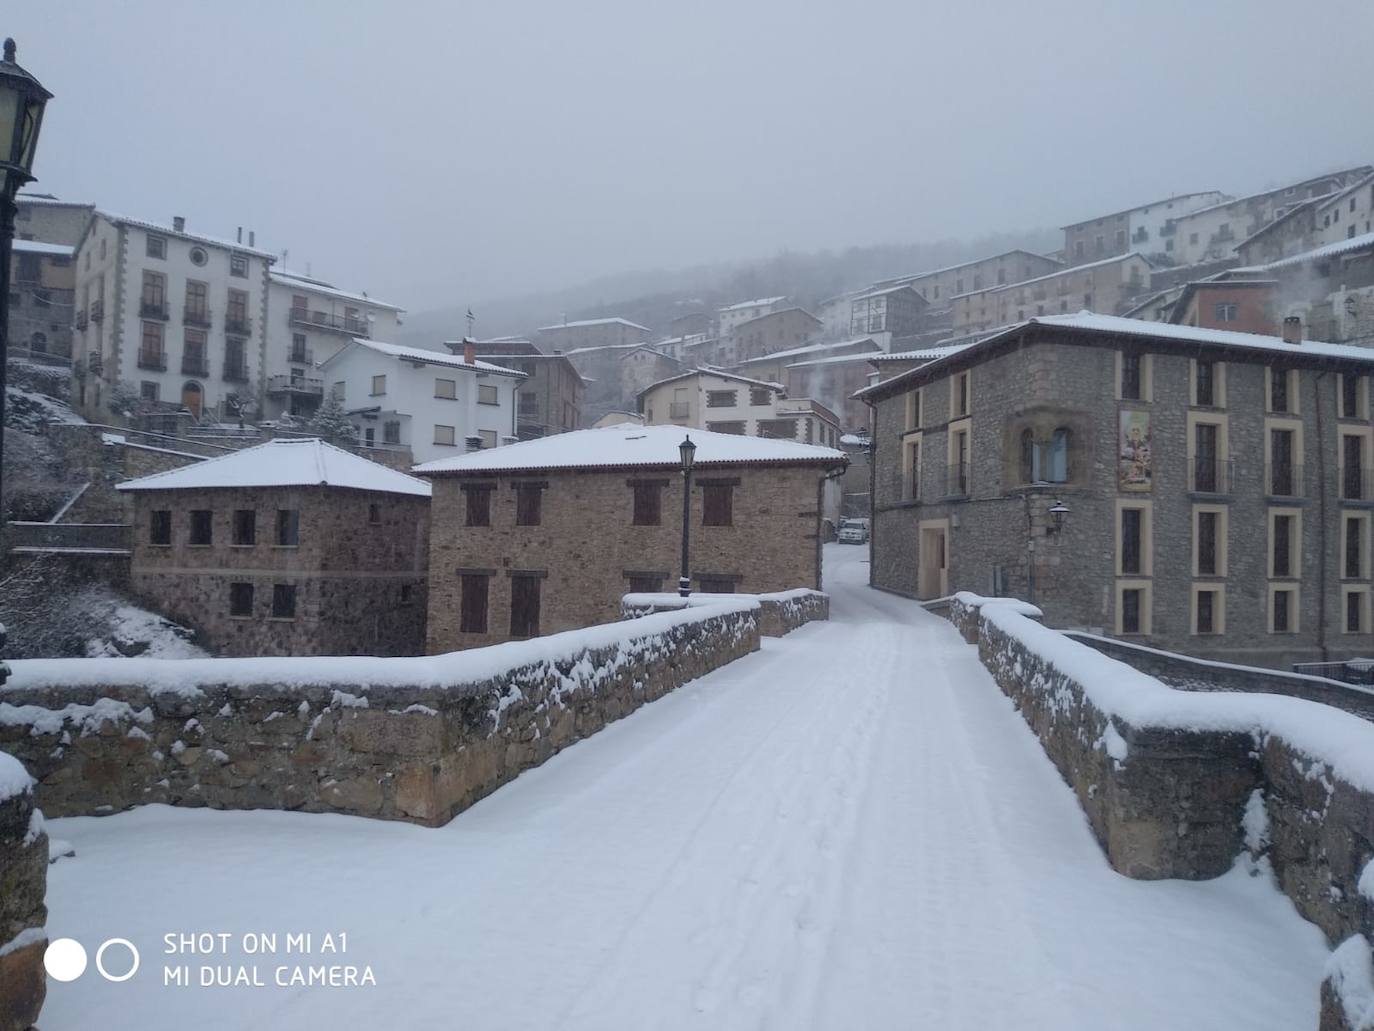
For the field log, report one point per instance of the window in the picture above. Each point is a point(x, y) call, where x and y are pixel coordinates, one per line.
point(202, 523)
point(391, 431)
point(240, 599)
point(1207, 521)
point(1204, 383)
point(245, 527)
point(1132, 539)
point(487, 437)
point(238, 265)
point(524, 604)
point(960, 398)
point(778, 429)
point(1130, 377)
point(374, 513)
point(478, 508)
point(913, 470)
point(236, 313)
point(338, 389)
point(487, 394)
point(160, 527)
point(958, 464)
point(1353, 471)
point(1206, 466)
point(1054, 466)
point(529, 499)
point(288, 527)
point(1207, 611)
point(708, 584)
point(1355, 605)
point(645, 583)
point(1283, 478)
point(735, 427)
point(1226, 312)
point(446, 389)
point(913, 410)
point(153, 300)
point(648, 502)
point(1351, 396)
point(1354, 555)
point(378, 385)
point(283, 601)
point(1131, 610)
point(193, 359)
point(197, 301)
point(407, 594)
point(1278, 389)
point(1281, 614)
point(148, 391)
point(299, 353)
point(721, 398)
point(444, 435)
point(156, 246)
point(472, 611)
point(717, 507)
point(760, 397)
point(1283, 544)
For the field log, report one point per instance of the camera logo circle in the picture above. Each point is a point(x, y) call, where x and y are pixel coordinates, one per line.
point(65, 959)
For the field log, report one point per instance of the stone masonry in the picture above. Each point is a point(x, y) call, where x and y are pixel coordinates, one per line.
point(23, 886)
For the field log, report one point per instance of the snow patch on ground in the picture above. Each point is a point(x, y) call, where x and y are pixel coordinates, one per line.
point(134, 631)
point(1349, 969)
point(1255, 823)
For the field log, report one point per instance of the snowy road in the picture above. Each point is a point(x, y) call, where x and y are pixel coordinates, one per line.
point(850, 829)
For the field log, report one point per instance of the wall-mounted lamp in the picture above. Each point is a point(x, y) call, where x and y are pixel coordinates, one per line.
point(1059, 510)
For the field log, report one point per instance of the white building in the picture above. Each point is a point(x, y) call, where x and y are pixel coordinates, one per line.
point(177, 317)
point(729, 317)
point(726, 403)
point(308, 322)
point(435, 403)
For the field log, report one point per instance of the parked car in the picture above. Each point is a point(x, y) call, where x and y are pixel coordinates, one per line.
point(854, 531)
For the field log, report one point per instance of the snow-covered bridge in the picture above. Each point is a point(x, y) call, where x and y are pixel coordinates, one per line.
point(849, 829)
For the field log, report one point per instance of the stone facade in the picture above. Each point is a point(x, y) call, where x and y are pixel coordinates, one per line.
point(23, 887)
point(775, 331)
point(359, 582)
point(550, 398)
point(42, 287)
point(397, 739)
point(586, 552)
point(1103, 286)
point(985, 527)
point(779, 613)
point(937, 286)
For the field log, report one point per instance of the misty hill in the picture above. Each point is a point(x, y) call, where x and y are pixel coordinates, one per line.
point(654, 297)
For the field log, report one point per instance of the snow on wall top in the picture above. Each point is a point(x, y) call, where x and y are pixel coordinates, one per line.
point(60, 250)
point(1330, 250)
point(295, 279)
point(754, 303)
point(284, 463)
point(629, 444)
point(14, 779)
point(166, 230)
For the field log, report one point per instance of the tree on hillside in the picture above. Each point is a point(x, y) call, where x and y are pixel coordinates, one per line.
point(331, 423)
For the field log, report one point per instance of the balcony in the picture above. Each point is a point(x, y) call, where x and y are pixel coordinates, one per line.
point(155, 360)
point(194, 365)
point(1357, 484)
point(235, 372)
point(97, 311)
point(307, 386)
point(196, 317)
point(1284, 480)
point(152, 310)
point(238, 327)
point(350, 325)
point(81, 319)
point(679, 409)
point(1211, 475)
point(95, 361)
point(957, 480)
point(301, 356)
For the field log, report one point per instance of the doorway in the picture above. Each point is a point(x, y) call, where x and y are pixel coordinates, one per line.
point(191, 396)
point(932, 571)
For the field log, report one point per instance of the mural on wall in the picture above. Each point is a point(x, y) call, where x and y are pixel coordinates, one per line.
point(1134, 471)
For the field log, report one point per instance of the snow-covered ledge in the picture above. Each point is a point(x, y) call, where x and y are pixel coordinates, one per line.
point(23, 886)
point(1186, 784)
point(781, 611)
point(414, 739)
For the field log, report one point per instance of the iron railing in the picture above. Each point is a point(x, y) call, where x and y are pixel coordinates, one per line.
point(196, 317)
point(157, 361)
point(353, 325)
point(957, 480)
point(1208, 475)
point(235, 372)
point(152, 309)
point(194, 365)
point(238, 327)
point(1356, 483)
point(283, 384)
point(1284, 480)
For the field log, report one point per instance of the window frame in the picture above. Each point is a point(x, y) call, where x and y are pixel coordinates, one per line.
point(288, 528)
point(1145, 545)
point(238, 524)
point(477, 504)
point(488, 391)
point(237, 588)
point(639, 492)
point(284, 596)
point(472, 617)
point(453, 387)
point(160, 519)
point(200, 523)
point(718, 502)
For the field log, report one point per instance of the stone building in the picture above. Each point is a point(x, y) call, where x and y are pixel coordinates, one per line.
point(1331, 288)
point(887, 313)
point(569, 336)
point(1242, 305)
point(293, 547)
point(1217, 484)
point(42, 280)
point(937, 286)
point(773, 367)
point(733, 315)
point(550, 399)
point(777, 330)
point(1139, 229)
point(548, 535)
point(1102, 286)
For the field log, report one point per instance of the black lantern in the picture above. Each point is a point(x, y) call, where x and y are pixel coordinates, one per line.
point(22, 99)
point(688, 452)
point(1059, 510)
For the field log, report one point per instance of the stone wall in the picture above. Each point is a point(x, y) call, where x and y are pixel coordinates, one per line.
point(779, 613)
point(416, 739)
point(1182, 784)
point(23, 886)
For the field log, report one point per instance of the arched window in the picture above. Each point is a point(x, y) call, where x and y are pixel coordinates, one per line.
point(1055, 468)
point(1028, 457)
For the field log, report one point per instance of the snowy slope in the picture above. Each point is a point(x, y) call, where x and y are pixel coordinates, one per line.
point(849, 829)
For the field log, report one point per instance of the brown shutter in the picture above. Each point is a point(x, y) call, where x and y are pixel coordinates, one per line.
point(479, 506)
point(648, 504)
point(717, 505)
point(472, 617)
point(524, 606)
point(528, 504)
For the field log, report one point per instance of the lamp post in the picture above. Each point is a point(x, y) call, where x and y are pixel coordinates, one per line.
point(22, 99)
point(688, 451)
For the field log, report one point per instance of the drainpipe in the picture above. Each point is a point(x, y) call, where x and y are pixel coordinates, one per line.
point(1321, 517)
point(1030, 549)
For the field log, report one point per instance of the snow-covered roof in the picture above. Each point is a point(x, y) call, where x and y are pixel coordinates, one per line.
point(1142, 207)
point(839, 359)
point(284, 463)
point(1160, 332)
point(926, 353)
point(1362, 169)
point(812, 349)
point(1330, 250)
point(57, 250)
point(51, 201)
point(421, 354)
point(213, 241)
point(999, 287)
point(594, 322)
point(629, 445)
point(711, 372)
point(295, 279)
point(880, 291)
point(775, 314)
point(756, 302)
point(951, 268)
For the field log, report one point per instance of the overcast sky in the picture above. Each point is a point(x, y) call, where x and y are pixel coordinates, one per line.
point(443, 153)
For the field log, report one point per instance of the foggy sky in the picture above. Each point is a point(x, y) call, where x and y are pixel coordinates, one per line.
point(443, 153)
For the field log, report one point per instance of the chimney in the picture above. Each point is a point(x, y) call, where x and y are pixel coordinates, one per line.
point(1292, 330)
point(469, 352)
point(252, 238)
point(239, 238)
point(179, 223)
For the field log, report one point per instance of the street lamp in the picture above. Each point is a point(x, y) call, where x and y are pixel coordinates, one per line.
point(22, 99)
point(1059, 510)
point(688, 451)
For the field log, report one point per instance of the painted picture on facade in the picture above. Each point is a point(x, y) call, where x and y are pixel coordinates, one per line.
point(1133, 466)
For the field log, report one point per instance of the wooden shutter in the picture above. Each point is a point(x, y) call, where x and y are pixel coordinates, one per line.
point(528, 503)
point(648, 503)
point(479, 506)
point(524, 606)
point(717, 505)
point(472, 617)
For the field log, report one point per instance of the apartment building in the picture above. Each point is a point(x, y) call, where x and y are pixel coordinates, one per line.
point(607, 332)
point(550, 398)
point(548, 535)
point(43, 217)
point(169, 316)
point(292, 547)
point(42, 289)
point(1336, 216)
point(1139, 229)
point(309, 321)
point(886, 313)
point(775, 331)
point(937, 286)
point(1102, 286)
point(432, 402)
point(733, 315)
point(1198, 490)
